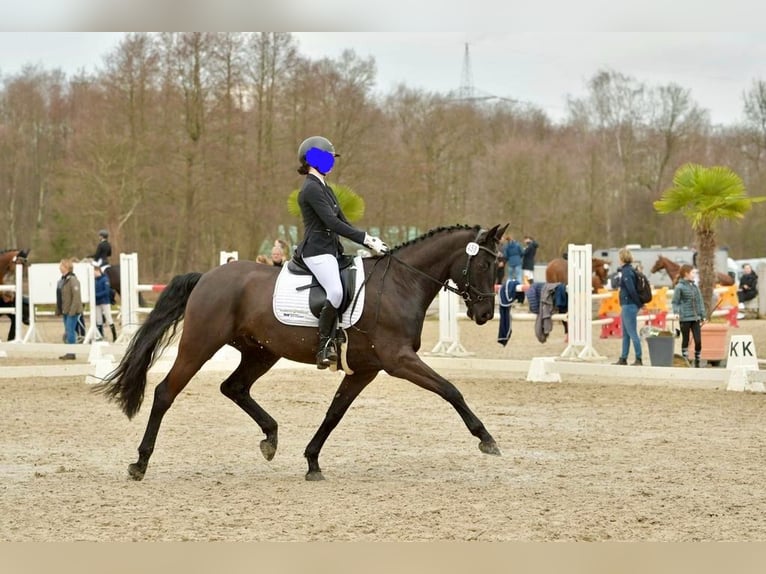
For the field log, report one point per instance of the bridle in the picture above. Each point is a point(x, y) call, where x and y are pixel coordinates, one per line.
point(467, 291)
point(472, 249)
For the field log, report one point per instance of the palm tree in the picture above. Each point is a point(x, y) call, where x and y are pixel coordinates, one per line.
point(705, 195)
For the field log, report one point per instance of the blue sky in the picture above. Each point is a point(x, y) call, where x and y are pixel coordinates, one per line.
point(541, 68)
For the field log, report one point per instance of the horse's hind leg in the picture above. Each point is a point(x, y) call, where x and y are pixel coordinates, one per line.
point(164, 395)
point(237, 388)
point(349, 389)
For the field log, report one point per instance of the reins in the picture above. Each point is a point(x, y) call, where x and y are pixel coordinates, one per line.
point(464, 292)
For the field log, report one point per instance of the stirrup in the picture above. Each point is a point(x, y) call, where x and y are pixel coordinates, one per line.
point(327, 355)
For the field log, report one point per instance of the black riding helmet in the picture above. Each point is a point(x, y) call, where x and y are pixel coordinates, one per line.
point(315, 142)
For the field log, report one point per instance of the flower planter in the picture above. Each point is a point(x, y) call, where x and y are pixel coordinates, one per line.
point(714, 342)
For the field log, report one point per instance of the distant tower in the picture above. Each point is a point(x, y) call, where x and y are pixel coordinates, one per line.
point(466, 78)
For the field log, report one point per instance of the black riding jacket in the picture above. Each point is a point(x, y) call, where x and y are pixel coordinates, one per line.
point(103, 252)
point(323, 221)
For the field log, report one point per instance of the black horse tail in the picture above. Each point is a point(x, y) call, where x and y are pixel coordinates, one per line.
point(125, 385)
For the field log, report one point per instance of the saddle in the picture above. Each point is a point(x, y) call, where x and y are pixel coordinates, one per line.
point(317, 295)
point(299, 298)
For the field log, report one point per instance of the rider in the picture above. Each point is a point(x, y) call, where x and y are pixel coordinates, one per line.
point(323, 223)
point(103, 249)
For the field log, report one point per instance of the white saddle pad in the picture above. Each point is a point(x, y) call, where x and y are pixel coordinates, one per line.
point(291, 306)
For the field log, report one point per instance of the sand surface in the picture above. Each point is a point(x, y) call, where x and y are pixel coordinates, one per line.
point(582, 460)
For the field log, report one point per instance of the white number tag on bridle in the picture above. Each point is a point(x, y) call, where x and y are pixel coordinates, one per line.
point(472, 248)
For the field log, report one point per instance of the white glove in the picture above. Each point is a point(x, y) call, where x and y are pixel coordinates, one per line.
point(376, 244)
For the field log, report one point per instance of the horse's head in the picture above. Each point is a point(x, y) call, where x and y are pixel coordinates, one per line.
point(659, 264)
point(478, 288)
point(601, 269)
point(22, 256)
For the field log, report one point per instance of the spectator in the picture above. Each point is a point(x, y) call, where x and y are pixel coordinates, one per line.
point(512, 253)
point(103, 306)
point(688, 305)
point(630, 303)
point(68, 303)
point(528, 259)
point(277, 255)
point(230, 258)
point(748, 285)
point(285, 248)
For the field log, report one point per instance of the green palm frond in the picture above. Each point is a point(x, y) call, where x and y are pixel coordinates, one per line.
point(705, 195)
point(350, 202)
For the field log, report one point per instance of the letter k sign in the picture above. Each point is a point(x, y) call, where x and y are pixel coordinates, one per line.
point(742, 352)
point(741, 349)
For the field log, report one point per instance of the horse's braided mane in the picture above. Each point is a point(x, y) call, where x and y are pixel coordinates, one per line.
point(435, 231)
point(7, 250)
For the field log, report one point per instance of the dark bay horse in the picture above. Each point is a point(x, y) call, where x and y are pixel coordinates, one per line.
point(557, 272)
point(672, 269)
point(232, 304)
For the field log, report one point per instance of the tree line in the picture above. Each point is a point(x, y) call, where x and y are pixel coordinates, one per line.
point(184, 144)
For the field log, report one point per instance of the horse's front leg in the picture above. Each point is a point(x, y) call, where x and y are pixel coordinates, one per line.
point(349, 389)
point(409, 366)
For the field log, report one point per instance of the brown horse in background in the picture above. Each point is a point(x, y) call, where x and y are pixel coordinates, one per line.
point(8, 260)
point(672, 269)
point(9, 257)
point(558, 269)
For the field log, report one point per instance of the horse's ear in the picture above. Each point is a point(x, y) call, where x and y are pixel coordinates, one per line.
point(484, 236)
point(498, 232)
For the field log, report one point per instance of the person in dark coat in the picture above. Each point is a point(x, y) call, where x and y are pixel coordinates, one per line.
point(323, 225)
point(512, 253)
point(688, 305)
point(103, 302)
point(528, 259)
point(630, 304)
point(103, 249)
point(748, 284)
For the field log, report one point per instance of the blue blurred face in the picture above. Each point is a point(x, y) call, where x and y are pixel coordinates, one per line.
point(322, 160)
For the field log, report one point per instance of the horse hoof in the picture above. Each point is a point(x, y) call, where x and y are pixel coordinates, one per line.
point(489, 448)
point(314, 476)
point(268, 450)
point(135, 472)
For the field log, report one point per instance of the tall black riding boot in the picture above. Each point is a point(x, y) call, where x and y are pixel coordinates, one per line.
point(114, 332)
point(328, 319)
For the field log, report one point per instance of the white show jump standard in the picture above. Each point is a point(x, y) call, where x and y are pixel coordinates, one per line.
point(449, 332)
point(129, 290)
point(580, 303)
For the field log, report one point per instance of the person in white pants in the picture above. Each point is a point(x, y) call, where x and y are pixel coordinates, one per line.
point(323, 225)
